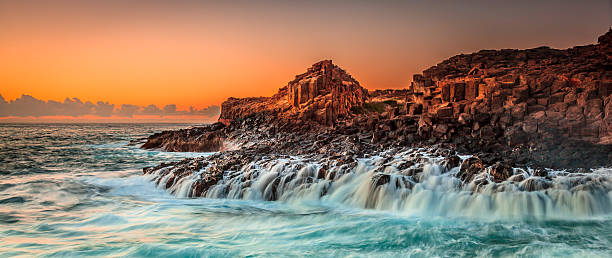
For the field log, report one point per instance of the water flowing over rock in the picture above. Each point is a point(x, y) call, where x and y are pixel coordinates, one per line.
point(510, 132)
point(426, 186)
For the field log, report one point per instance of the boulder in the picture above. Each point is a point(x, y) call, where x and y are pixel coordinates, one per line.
point(500, 172)
point(574, 113)
point(445, 112)
point(469, 168)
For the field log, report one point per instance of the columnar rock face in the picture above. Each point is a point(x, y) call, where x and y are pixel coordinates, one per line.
point(539, 107)
point(325, 92)
point(322, 94)
point(234, 108)
point(516, 112)
point(523, 94)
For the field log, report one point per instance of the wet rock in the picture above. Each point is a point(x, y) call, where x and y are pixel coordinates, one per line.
point(321, 173)
point(532, 108)
point(470, 167)
point(199, 139)
point(540, 172)
point(534, 184)
point(451, 162)
point(381, 179)
point(500, 172)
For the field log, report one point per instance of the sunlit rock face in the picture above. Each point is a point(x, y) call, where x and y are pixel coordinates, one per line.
point(521, 95)
point(540, 107)
point(495, 134)
point(323, 93)
point(199, 139)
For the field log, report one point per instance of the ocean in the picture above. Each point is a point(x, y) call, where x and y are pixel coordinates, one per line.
point(73, 190)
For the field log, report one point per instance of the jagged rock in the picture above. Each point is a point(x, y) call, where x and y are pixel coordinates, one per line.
point(470, 167)
point(522, 88)
point(381, 179)
point(500, 172)
point(519, 106)
point(325, 92)
point(199, 139)
point(322, 94)
point(540, 173)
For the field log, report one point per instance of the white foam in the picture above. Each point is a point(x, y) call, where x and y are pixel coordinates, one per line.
point(436, 191)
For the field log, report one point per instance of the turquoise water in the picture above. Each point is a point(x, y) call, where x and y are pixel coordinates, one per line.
point(78, 190)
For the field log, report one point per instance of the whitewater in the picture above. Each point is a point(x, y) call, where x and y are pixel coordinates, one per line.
point(79, 190)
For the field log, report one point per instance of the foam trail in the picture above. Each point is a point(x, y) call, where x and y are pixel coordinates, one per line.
point(435, 190)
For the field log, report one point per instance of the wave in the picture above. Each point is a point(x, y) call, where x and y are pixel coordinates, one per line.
point(413, 182)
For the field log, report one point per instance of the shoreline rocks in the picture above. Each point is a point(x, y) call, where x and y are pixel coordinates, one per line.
point(199, 139)
point(536, 108)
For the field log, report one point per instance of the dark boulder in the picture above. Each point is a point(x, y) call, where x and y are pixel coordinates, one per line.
point(500, 172)
point(469, 168)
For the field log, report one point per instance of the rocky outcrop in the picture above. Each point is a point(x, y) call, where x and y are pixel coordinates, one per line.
point(199, 139)
point(517, 96)
point(236, 108)
point(539, 107)
point(521, 95)
point(323, 94)
point(516, 115)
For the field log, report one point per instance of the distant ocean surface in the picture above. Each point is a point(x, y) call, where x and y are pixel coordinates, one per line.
point(74, 190)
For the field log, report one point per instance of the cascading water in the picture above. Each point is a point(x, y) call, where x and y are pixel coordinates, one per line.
point(427, 187)
point(78, 190)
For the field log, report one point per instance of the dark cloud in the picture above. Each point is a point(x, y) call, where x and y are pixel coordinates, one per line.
point(27, 105)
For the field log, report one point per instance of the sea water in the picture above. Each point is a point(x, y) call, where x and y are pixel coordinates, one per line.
point(78, 190)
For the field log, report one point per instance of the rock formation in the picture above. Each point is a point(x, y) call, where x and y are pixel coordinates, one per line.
point(515, 113)
point(323, 93)
point(538, 107)
point(199, 139)
point(522, 94)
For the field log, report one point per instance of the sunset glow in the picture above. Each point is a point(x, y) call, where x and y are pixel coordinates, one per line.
point(317, 128)
point(198, 54)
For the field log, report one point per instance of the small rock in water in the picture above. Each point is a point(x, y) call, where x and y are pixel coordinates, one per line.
point(470, 167)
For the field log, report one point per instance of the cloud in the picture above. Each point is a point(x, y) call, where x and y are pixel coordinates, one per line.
point(170, 109)
point(104, 109)
point(208, 111)
point(29, 106)
point(151, 110)
point(128, 110)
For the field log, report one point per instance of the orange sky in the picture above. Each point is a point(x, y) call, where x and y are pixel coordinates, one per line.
point(192, 53)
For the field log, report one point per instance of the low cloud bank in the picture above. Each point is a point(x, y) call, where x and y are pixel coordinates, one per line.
point(28, 106)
